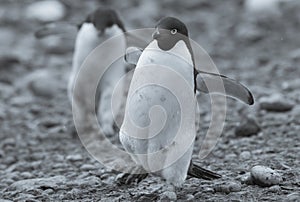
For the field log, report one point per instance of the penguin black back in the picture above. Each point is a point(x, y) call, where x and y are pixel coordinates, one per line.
point(103, 18)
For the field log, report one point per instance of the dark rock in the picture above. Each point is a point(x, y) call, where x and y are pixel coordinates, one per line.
point(247, 127)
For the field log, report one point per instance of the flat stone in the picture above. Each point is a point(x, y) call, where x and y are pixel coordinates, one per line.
point(36, 183)
point(87, 167)
point(45, 11)
point(228, 187)
point(276, 103)
point(265, 176)
point(41, 83)
point(75, 157)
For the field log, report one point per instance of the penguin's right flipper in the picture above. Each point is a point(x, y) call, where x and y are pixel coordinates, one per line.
point(228, 87)
point(132, 55)
point(201, 173)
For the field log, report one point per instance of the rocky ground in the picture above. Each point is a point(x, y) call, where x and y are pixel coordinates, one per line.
point(41, 161)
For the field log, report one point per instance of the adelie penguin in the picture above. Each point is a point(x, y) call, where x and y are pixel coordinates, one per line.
point(169, 48)
point(99, 26)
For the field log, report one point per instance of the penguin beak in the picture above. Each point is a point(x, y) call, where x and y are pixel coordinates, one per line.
point(156, 34)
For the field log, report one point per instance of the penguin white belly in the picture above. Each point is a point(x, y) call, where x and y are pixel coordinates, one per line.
point(157, 115)
point(88, 38)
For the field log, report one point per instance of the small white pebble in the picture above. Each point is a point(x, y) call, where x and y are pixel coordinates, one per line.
point(265, 176)
point(45, 11)
point(171, 195)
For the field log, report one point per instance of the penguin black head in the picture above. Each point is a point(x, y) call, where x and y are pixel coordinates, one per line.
point(103, 18)
point(169, 31)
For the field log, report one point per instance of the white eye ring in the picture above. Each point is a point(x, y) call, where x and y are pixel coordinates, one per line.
point(173, 31)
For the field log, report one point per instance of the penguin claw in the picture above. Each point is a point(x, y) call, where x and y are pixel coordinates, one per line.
point(201, 173)
point(129, 178)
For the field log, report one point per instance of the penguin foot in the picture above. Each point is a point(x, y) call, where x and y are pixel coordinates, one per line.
point(201, 173)
point(136, 176)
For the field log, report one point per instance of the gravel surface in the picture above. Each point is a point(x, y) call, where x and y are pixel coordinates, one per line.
point(41, 160)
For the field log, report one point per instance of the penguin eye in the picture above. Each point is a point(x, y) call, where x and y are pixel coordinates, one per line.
point(173, 31)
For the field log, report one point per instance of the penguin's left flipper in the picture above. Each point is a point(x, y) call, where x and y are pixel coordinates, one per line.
point(228, 86)
point(132, 55)
point(201, 173)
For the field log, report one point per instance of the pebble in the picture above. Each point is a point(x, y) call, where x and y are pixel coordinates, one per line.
point(45, 11)
point(295, 54)
point(276, 103)
point(257, 5)
point(291, 85)
point(190, 197)
point(275, 189)
point(247, 127)
point(87, 167)
point(293, 197)
point(260, 10)
point(169, 195)
point(36, 183)
point(245, 155)
point(296, 114)
point(75, 157)
point(21, 101)
point(56, 45)
point(249, 33)
point(44, 87)
point(26, 175)
point(228, 187)
point(265, 176)
point(247, 179)
point(42, 83)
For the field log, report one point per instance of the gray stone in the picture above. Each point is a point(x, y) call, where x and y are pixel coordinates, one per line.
point(42, 83)
point(87, 167)
point(228, 187)
point(245, 155)
point(293, 197)
point(45, 11)
point(295, 54)
point(276, 103)
point(36, 183)
point(190, 197)
point(75, 157)
point(248, 126)
point(265, 176)
point(169, 195)
point(275, 189)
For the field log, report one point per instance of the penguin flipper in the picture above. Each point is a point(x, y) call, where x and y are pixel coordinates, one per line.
point(132, 55)
point(201, 173)
point(232, 88)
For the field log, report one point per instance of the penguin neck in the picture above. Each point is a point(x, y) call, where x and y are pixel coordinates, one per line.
point(187, 50)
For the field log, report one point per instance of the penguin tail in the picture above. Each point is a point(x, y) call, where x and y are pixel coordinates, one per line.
point(201, 173)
